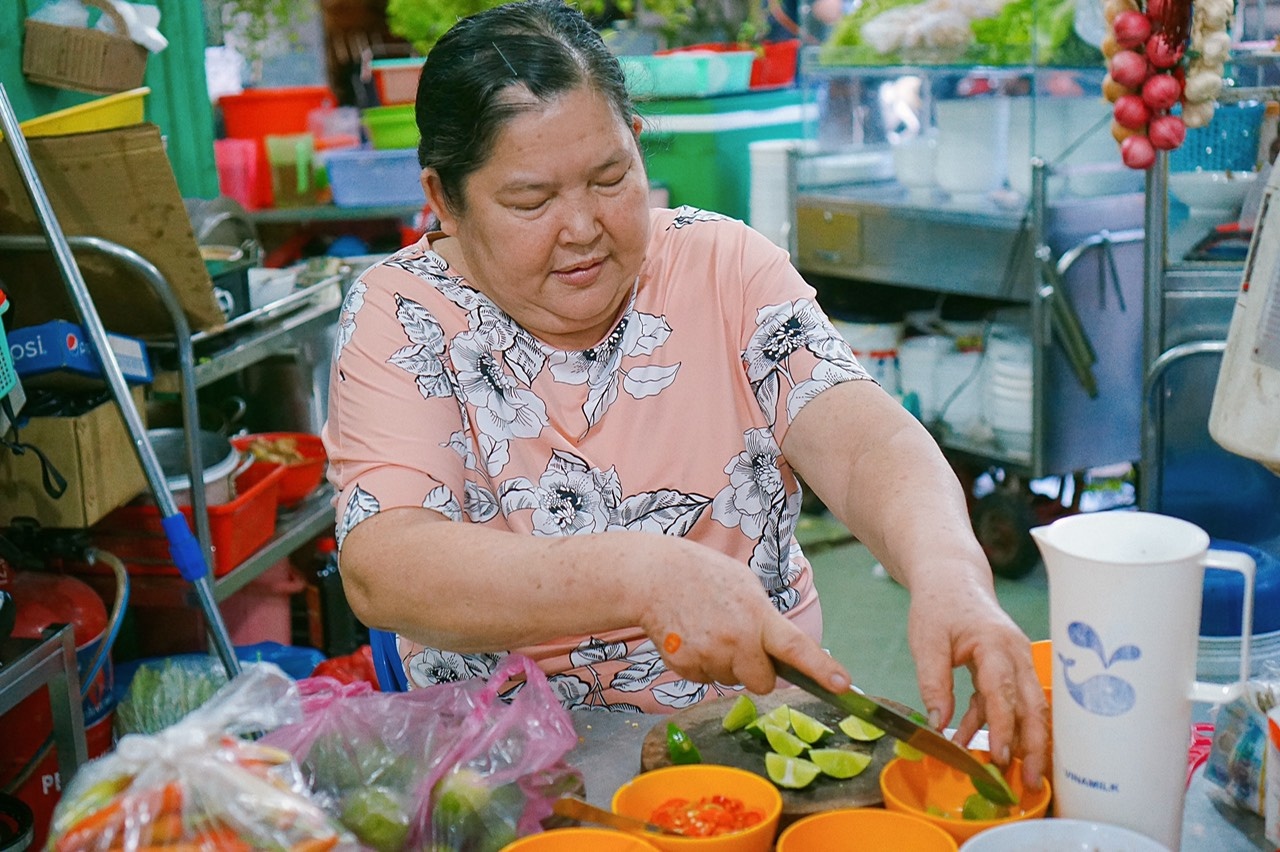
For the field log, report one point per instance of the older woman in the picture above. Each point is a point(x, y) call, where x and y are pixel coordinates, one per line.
point(568, 425)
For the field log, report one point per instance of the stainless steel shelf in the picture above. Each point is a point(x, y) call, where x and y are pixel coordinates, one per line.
point(257, 335)
point(333, 213)
point(28, 664)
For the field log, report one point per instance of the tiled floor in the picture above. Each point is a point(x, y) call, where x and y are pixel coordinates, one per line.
point(864, 613)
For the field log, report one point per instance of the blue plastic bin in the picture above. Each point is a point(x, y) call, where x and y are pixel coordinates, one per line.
point(360, 177)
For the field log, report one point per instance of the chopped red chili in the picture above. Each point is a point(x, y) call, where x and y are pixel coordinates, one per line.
point(710, 816)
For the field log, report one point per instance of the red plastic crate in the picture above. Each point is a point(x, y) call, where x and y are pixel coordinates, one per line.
point(775, 63)
point(300, 478)
point(236, 529)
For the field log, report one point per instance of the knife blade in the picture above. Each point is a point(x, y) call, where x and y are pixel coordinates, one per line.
point(574, 808)
point(904, 728)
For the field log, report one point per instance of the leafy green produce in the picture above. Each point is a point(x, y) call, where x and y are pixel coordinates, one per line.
point(1022, 27)
point(162, 694)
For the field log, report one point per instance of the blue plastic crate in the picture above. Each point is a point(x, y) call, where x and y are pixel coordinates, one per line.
point(687, 74)
point(361, 177)
point(1229, 142)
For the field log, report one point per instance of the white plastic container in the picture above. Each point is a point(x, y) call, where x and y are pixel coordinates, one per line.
point(1245, 416)
point(918, 360)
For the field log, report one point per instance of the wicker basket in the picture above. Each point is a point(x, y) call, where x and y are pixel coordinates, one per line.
point(81, 59)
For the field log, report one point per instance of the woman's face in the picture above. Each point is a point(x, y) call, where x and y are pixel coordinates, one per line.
point(556, 221)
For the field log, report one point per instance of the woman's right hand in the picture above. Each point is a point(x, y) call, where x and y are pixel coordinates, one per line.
point(712, 621)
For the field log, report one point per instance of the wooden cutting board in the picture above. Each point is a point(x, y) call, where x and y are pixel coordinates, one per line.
point(702, 723)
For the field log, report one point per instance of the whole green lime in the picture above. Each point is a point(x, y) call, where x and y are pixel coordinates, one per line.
point(378, 817)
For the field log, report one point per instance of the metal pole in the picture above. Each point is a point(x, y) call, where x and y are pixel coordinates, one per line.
point(186, 550)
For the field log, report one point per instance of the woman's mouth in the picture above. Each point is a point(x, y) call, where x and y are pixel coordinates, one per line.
point(582, 274)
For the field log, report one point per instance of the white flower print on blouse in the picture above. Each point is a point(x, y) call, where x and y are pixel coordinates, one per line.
point(686, 215)
point(781, 330)
point(646, 667)
point(503, 408)
point(430, 666)
point(351, 306)
point(360, 506)
point(422, 357)
point(441, 499)
point(601, 366)
point(572, 498)
point(755, 501)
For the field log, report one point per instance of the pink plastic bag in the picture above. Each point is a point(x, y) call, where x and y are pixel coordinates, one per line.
point(454, 766)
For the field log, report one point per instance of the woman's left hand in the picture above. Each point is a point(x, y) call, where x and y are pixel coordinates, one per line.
point(960, 623)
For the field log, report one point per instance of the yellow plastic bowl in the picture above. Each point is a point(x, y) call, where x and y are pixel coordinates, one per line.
point(917, 786)
point(874, 829)
point(118, 110)
point(580, 840)
point(642, 795)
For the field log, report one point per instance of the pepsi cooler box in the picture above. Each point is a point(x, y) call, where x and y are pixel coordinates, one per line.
point(58, 354)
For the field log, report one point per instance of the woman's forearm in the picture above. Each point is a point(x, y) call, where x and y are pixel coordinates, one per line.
point(471, 589)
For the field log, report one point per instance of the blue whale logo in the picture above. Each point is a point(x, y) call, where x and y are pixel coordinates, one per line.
point(1103, 694)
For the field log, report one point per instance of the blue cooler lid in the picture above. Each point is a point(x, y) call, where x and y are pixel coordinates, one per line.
point(1224, 592)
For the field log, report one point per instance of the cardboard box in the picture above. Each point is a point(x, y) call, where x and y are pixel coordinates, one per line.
point(59, 354)
point(94, 453)
point(117, 185)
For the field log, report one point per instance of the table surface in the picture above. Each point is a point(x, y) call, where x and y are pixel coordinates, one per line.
point(608, 754)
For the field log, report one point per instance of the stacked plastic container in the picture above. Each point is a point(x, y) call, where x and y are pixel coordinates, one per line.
point(386, 172)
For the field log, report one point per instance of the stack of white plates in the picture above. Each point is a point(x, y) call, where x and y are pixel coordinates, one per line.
point(769, 203)
point(1219, 656)
point(1007, 388)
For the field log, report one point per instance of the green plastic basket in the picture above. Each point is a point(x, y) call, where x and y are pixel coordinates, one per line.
point(8, 376)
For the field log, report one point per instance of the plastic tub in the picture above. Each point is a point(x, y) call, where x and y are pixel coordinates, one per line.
point(391, 126)
point(301, 477)
point(258, 113)
point(1229, 142)
point(688, 73)
point(365, 178)
point(118, 110)
point(397, 79)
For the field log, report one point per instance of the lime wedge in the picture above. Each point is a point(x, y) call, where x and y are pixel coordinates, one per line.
point(778, 717)
point(790, 772)
point(978, 806)
point(808, 728)
point(857, 729)
point(906, 752)
point(839, 762)
point(740, 714)
point(783, 742)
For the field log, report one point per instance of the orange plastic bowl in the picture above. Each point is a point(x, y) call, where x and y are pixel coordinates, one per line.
point(874, 829)
point(580, 840)
point(917, 787)
point(642, 795)
point(301, 477)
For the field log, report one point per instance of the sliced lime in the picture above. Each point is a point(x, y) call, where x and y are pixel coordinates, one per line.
point(783, 742)
point(778, 717)
point(839, 762)
point(906, 752)
point(790, 772)
point(978, 806)
point(808, 728)
point(857, 729)
point(740, 714)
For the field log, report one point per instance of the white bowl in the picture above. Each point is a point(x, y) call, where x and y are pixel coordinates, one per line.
point(1219, 193)
point(1061, 835)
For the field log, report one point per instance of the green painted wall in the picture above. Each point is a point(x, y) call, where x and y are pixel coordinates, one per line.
point(178, 103)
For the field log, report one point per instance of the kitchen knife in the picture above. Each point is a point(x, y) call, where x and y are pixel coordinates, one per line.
point(574, 808)
point(909, 731)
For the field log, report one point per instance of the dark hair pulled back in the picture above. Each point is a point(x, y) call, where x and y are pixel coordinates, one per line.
point(545, 46)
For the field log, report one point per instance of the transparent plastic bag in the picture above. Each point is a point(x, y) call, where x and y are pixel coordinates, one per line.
point(451, 767)
point(1238, 757)
point(199, 785)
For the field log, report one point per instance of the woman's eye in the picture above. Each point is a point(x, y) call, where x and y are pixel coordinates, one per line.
point(529, 206)
point(612, 180)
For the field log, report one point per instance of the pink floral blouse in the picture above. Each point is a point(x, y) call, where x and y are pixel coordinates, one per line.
point(672, 424)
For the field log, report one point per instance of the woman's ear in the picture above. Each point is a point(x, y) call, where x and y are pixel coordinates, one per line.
point(637, 124)
point(434, 191)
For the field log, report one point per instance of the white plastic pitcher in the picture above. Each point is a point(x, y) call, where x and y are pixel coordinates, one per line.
point(1124, 619)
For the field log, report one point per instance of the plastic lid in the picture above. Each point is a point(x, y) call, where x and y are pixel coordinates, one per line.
point(1224, 592)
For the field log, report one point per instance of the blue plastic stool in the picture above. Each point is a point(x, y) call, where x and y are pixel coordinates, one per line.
point(386, 661)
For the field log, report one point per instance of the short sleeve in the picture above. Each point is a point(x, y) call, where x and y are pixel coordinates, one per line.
point(790, 349)
point(394, 428)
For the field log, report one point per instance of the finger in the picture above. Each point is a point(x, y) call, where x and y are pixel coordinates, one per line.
point(995, 680)
point(1033, 736)
point(971, 721)
point(788, 643)
point(933, 673)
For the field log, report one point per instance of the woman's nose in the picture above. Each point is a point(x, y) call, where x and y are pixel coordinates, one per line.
point(581, 223)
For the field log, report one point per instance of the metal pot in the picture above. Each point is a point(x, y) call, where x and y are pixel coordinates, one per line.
point(222, 464)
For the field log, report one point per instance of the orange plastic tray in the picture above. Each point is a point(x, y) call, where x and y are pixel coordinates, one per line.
point(236, 529)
